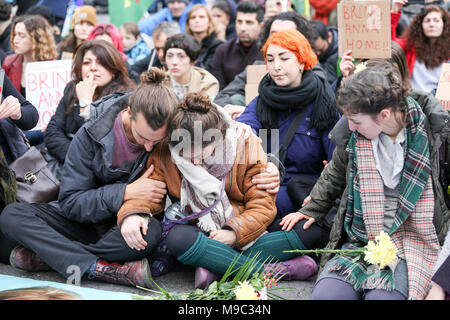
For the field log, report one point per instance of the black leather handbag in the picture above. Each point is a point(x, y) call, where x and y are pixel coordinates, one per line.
point(35, 182)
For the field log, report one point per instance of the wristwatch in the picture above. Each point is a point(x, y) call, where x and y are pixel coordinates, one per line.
point(84, 103)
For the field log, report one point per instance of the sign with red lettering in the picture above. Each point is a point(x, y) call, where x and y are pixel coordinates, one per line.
point(45, 83)
point(365, 28)
point(443, 89)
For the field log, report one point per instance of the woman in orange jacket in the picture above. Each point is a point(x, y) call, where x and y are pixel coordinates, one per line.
point(220, 213)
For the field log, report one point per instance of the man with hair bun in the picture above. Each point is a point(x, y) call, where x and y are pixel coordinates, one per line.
point(104, 166)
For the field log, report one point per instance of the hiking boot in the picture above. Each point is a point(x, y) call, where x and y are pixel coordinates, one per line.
point(25, 259)
point(204, 277)
point(299, 268)
point(132, 273)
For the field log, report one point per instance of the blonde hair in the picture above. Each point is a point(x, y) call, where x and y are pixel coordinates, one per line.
point(39, 293)
point(211, 25)
point(43, 45)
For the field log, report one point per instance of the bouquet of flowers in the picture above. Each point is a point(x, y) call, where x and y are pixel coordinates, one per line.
point(250, 282)
point(380, 252)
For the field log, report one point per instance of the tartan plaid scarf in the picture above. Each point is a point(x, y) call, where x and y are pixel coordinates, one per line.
point(412, 231)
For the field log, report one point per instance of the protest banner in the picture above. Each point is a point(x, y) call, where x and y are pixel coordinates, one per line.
point(45, 83)
point(443, 89)
point(254, 75)
point(365, 28)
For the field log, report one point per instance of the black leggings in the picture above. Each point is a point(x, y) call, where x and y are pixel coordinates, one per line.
point(182, 237)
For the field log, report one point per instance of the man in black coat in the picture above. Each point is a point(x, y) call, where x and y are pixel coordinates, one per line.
point(78, 234)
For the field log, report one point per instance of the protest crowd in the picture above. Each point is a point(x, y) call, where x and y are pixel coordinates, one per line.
point(204, 133)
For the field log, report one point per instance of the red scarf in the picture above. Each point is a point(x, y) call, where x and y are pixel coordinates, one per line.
point(322, 9)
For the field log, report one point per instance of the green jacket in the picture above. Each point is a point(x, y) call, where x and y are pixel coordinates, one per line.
point(333, 180)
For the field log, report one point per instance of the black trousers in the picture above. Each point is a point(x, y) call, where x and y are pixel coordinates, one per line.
point(64, 244)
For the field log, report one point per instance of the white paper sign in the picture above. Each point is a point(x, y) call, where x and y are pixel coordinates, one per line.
point(45, 83)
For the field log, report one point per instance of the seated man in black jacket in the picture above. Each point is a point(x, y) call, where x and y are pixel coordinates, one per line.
point(78, 233)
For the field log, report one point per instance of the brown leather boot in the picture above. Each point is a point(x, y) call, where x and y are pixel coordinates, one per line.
point(25, 259)
point(132, 273)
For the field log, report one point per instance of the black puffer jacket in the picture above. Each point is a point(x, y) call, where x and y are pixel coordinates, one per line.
point(91, 188)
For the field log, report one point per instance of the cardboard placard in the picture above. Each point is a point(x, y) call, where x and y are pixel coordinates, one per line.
point(45, 83)
point(251, 91)
point(443, 89)
point(365, 28)
point(255, 72)
point(254, 75)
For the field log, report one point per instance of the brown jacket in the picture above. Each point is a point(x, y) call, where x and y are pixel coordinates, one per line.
point(255, 209)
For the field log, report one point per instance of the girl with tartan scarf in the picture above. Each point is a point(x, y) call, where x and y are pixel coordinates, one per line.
point(387, 177)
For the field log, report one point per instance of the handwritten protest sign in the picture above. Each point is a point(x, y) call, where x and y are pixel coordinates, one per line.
point(45, 83)
point(443, 89)
point(365, 28)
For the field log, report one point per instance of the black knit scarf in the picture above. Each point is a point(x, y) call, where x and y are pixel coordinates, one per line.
point(274, 99)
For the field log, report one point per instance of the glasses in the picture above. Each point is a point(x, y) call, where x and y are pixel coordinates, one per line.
point(103, 29)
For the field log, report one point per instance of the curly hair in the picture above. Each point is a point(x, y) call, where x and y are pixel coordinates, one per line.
point(43, 45)
point(432, 55)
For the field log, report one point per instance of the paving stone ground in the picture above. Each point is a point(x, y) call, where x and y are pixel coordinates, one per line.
point(182, 281)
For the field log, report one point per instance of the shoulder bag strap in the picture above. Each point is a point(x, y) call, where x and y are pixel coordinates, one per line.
point(282, 150)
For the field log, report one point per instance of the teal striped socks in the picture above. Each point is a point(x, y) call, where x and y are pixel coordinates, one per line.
point(216, 256)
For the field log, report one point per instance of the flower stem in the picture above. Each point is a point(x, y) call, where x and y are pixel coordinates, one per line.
point(319, 251)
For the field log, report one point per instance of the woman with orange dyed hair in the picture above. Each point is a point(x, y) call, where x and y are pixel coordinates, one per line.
point(294, 88)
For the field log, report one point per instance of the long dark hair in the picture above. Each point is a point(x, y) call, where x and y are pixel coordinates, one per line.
point(109, 57)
